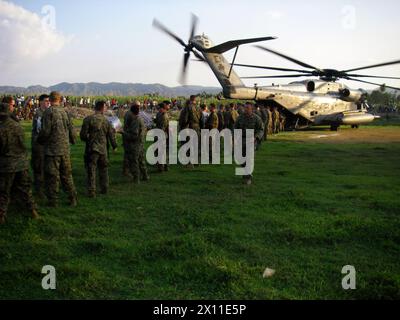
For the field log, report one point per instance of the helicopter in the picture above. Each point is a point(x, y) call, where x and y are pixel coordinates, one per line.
point(320, 101)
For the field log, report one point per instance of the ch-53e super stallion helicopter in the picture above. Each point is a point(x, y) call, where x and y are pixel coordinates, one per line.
point(320, 101)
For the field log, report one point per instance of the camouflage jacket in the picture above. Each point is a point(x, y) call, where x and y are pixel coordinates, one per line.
point(127, 117)
point(269, 120)
point(258, 112)
point(212, 121)
point(250, 122)
point(264, 115)
point(183, 119)
point(190, 117)
point(134, 130)
point(162, 121)
point(230, 118)
point(57, 132)
point(276, 116)
point(98, 133)
point(221, 121)
point(13, 154)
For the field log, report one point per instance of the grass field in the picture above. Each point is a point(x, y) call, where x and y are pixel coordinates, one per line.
point(314, 207)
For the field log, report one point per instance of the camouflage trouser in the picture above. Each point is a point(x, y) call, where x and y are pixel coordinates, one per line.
point(125, 165)
point(246, 177)
point(198, 132)
point(265, 130)
point(282, 126)
point(276, 126)
point(58, 168)
point(37, 164)
point(137, 162)
point(270, 129)
point(18, 183)
point(163, 167)
point(96, 161)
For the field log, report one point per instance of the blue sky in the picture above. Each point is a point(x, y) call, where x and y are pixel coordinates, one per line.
point(107, 41)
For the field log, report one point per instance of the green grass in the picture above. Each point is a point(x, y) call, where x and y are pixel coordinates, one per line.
point(201, 234)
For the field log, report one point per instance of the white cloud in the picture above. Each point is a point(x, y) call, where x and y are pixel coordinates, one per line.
point(25, 37)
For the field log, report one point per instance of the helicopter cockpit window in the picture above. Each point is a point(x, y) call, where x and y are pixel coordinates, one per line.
point(313, 113)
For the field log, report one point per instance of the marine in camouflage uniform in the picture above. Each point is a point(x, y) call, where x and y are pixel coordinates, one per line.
point(14, 174)
point(282, 122)
point(134, 137)
point(56, 135)
point(264, 118)
point(249, 120)
point(162, 123)
point(37, 161)
point(226, 116)
point(212, 120)
point(212, 123)
point(98, 133)
point(125, 163)
point(220, 114)
point(190, 118)
point(230, 117)
point(270, 127)
point(276, 123)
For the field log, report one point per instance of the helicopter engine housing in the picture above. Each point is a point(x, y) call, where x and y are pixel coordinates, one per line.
point(350, 95)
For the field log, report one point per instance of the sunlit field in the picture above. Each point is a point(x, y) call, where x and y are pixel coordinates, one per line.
point(318, 202)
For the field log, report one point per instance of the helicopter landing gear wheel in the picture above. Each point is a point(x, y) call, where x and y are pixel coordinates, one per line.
point(355, 126)
point(334, 127)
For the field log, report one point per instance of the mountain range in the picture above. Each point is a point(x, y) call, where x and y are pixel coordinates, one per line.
point(111, 89)
point(119, 89)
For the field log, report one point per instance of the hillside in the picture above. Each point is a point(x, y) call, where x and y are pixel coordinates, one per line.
point(110, 89)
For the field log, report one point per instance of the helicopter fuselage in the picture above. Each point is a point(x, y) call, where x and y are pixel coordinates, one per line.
point(314, 102)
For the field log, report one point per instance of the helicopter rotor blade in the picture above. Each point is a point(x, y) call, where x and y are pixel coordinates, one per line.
point(195, 19)
point(374, 66)
point(368, 76)
point(278, 76)
point(269, 68)
point(157, 24)
point(377, 84)
point(303, 64)
point(186, 57)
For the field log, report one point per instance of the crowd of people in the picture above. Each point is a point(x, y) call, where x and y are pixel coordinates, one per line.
point(53, 133)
